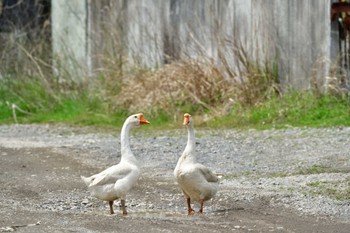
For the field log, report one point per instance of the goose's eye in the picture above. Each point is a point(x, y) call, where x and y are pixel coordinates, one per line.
point(135, 116)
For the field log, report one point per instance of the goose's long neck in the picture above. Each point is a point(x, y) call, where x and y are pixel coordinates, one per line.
point(126, 153)
point(189, 152)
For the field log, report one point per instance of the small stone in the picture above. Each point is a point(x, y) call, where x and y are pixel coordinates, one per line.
point(85, 201)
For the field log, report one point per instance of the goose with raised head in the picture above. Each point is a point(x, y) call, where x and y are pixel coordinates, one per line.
point(116, 181)
point(196, 181)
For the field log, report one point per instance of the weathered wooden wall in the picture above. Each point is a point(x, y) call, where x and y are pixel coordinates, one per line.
point(153, 32)
point(70, 40)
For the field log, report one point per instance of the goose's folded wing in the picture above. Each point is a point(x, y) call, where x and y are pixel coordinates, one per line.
point(111, 176)
point(207, 173)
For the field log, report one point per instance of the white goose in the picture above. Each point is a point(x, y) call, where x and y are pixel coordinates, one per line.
point(196, 181)
point(116, 181)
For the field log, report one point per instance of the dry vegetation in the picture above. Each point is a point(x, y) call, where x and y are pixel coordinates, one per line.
point(194, 85)
point(178, 84)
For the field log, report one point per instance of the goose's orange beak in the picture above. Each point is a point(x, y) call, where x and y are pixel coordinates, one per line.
point(143, 120)
point(186, 119)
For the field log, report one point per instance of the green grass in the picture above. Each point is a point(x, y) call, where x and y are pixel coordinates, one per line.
point(332, 189)
point(312, 170)
point(76, 106)
point(79, 104)
point(315, 169)
point(292, 109)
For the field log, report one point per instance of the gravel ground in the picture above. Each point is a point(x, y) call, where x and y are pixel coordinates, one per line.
point(273, 180)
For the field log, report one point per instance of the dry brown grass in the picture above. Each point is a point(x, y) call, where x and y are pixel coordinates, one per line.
point(255, 79)
point(174, 85)
point(334, 83)
point(200, 84)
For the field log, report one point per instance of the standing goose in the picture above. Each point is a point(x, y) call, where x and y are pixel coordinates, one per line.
point(196, 181)
point(116, 181)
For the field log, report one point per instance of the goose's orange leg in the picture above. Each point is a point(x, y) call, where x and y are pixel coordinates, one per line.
point(189, 209)
point(123, 207)
point(202, 203)
point(111, 207)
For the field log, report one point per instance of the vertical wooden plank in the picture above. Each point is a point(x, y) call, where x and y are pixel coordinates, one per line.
point(334, 37)
point(282, 28)
point(320, 33)
point(105, 35)
point(144, 31)
point(299, 42)
point(263, 32)
point(69, 38)
point(234, 35)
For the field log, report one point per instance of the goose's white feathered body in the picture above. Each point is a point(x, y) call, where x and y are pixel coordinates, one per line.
point(116, 181)
point(197, 181)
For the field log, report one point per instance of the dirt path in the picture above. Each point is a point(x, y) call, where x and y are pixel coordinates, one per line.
point(41, 186)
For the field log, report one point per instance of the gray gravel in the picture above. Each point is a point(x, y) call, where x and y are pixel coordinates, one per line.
point(275, 165)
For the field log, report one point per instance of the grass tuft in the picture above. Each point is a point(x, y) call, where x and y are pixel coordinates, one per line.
point(333, 189)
